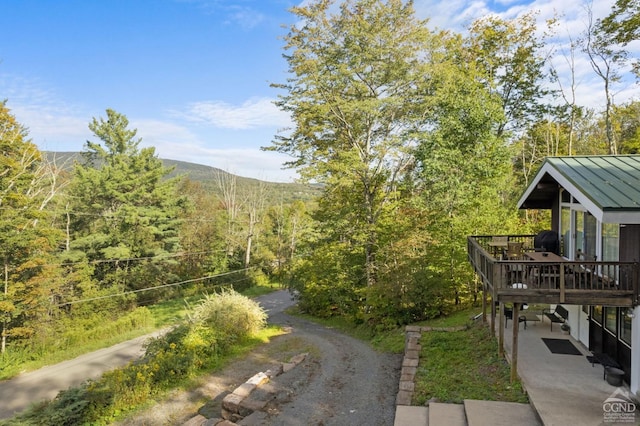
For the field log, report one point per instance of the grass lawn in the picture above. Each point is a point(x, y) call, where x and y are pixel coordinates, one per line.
point(462, 365)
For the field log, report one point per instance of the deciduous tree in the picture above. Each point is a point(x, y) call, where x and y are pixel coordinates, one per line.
point(356, 108)
point(27, 238)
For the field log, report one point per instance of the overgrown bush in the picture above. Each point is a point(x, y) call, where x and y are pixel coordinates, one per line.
point(213, 325)
point(229, 313)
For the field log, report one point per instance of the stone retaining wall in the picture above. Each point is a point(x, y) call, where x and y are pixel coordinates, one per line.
point(412, 349)
point(239, 407)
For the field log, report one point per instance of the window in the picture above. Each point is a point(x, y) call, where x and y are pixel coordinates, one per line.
point(610, 242)
point(596, 314)
point(590, 230)
point(565, 230)
point(610, 249)
point(610, 319)
point(625, 325)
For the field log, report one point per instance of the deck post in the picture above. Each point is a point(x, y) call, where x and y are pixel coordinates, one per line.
point(500, 329)
point(562, 282)
point(484, 302)
point(515, 324)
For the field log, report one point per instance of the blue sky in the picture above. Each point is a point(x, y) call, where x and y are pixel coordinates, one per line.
point(191, 75)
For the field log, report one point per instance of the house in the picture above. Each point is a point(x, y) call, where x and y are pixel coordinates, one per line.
point(594, 204)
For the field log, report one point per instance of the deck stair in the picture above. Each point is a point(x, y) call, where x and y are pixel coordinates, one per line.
point(470, 413)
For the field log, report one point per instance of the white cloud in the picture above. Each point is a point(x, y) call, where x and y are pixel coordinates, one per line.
point(572, 16)
point(175, 142)
point(51, 123)
point(253, 113)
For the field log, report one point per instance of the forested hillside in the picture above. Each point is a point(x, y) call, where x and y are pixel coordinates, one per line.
point(417, 138)
point(207, 176)
point(90, 237)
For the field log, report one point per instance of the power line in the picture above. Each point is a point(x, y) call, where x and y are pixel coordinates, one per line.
point(130, 259)
point(154, 288)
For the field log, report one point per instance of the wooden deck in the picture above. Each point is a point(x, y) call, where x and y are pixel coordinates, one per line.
point(554, 281)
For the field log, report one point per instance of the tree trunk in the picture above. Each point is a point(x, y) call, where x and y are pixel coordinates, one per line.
point(3, 345)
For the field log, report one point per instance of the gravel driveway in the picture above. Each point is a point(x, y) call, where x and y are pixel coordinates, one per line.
point(341, 382)
point(354, 385)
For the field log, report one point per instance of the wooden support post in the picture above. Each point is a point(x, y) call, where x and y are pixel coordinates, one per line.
point(500, 330)
point(484, 302)
point(493, 314)
point(562, 282)
point(515, 325)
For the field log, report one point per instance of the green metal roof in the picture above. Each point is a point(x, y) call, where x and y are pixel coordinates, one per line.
point(604, 184)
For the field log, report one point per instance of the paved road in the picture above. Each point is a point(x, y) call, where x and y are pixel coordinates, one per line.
point(16, 394)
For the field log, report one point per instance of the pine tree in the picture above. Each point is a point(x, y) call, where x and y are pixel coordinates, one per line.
point(125, 212)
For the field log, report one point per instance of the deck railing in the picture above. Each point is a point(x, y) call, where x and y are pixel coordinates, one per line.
point(575, 282)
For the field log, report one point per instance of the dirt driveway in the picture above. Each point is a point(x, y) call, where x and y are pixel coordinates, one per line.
point(341, 382)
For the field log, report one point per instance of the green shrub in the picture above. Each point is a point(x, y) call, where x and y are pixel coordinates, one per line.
point(230, 314)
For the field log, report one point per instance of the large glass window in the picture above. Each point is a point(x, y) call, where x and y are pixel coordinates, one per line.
point(565, 230)
point(590, 234)
point(579, 243)
point(596, 314)
point(625, 325)
point(610, 242)
point(610, 319)
point(586, 232)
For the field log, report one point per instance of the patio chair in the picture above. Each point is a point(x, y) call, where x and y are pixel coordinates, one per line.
point(514, 251)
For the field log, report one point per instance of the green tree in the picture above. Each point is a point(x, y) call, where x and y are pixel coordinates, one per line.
point(626, 120)
point(356, 109)
point(622, 25)
point(606, 60)
point(125, 215)
point(464, 167)
point(202, 233)
point(509, 52)
point(27, 238)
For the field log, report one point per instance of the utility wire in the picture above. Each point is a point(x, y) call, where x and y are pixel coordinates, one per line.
point(153, 288)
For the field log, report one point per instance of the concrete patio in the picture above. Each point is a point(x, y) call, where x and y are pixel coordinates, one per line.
point(563, 389)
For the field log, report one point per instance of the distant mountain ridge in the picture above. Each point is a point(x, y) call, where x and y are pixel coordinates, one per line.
point(207, 175)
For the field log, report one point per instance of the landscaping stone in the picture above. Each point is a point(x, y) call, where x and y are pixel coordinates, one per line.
point(249, 406)
point(412, 353)
point(225, 423)
point(413, 346)
point(258, 379)
point(232, 402)
point(406, 385)
point(288, 366)
point(404, 397)
point(226, 414)
point(248, 403)
point(195, 421)
point(298, 358)
point(273, 372)
point(408, 362)
point(244, 389)
point(409, 370)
